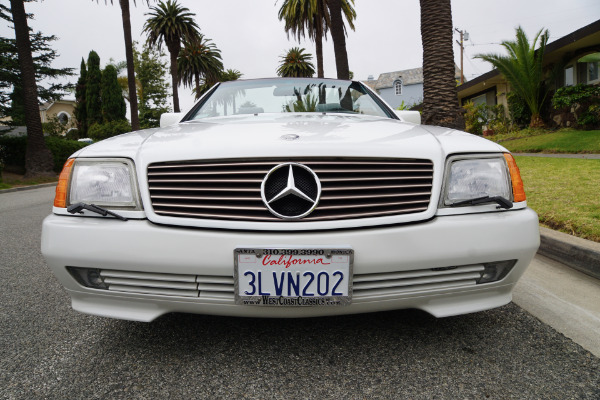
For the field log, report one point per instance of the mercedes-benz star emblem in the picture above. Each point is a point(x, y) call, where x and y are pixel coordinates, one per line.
point(291, 190)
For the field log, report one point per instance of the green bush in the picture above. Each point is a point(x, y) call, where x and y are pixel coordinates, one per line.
point(570, 96)
point(519, 112)
point(475, 117)
point(15, 148)
point(108, 129)
point(581, 101)
point(73, 134)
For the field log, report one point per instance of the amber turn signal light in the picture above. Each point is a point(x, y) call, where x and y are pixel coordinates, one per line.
point(60, 200)
point(515, 177)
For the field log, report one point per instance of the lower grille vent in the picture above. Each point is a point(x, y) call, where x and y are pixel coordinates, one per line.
point(222, 287)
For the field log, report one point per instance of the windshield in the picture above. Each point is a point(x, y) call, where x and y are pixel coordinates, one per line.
point(288, 95)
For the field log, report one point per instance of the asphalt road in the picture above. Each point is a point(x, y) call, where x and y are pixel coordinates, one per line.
point(49, 351)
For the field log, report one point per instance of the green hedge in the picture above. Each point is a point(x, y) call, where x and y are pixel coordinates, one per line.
point(14, 150)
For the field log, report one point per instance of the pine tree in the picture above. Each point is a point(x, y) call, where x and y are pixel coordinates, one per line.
point(80, 106)
point(113, 104)
point(93, 102)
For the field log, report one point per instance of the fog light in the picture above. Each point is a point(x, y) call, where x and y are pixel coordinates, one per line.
point(496, 271)
point(89, 277)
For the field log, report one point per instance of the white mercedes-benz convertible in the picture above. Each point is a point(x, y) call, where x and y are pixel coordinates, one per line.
point(289, 198)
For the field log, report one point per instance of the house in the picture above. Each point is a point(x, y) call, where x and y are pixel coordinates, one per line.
point(577, 55)
point(61, 111)
point(401, 86)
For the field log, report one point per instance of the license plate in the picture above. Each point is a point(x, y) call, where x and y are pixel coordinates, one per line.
point(293, 276)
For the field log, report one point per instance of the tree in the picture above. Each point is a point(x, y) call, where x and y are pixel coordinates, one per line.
point(151, 70)
point(440, 100)
point(312, 18)
point(113, 104)
point(38, 159)
point(199, 59)
point(133, 101)
point(338, 33)
point(93, 100)
point(11, 92)
point(230, 75)
point(296, 63)
point(171, 23)
point(522, 68)
point(80, 105)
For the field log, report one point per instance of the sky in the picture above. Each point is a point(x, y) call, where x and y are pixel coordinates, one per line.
point(252, 39)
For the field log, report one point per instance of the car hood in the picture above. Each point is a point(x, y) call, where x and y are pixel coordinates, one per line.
point(289, 135)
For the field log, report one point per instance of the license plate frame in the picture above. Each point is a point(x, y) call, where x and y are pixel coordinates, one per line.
point(340, 258)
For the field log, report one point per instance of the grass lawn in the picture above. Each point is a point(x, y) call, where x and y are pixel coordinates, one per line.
point(565, 193)
point(10, 180)
point(557, 142)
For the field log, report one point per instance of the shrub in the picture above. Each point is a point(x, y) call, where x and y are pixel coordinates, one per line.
point(73, 134)
point(108, 129)
point(62, 149)
point(519, 112)
point(475, 117)
point(578, 103)
point(15, 147)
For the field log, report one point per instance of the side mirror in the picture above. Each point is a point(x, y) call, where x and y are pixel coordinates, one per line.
point(167, 119)
point(414, 117)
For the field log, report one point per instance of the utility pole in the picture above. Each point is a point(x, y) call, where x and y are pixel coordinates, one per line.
point(464, 35)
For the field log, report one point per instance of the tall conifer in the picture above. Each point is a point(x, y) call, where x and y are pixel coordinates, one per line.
point(80, 106)
point(113, 104)
point(92, 90)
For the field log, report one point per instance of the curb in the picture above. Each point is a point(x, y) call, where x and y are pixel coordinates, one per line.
point(21, 188)
point(580, 254)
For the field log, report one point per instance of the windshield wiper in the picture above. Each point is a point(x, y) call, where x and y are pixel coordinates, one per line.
point(77, 208)
point(501, 201)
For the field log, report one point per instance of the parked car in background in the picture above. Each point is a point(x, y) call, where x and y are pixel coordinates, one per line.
point(289, 197)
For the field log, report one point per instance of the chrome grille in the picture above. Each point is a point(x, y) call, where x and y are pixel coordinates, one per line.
point(230, 190)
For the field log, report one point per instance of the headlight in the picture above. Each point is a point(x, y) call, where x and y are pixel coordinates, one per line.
point(472, 178)
point(103, 182)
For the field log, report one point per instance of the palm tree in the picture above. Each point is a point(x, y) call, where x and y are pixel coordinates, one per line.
point(171, 23)
point(133, 101)
point(522, 68)
point(338, 33)
point(296, 63)
point(38, 159)
point(312, 18)
point(440, 100)
point(224, 76)
point(198, 60)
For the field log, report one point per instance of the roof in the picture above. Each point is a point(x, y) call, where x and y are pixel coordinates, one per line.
point(47, 105)
point(408, 76)
point(586, 36)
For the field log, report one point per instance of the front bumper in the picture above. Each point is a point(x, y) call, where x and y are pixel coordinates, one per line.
point(139, 245)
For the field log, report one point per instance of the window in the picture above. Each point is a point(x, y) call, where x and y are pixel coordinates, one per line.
point(593, 71)
point(591, 66)
point(398, 87)
point(63, 118)
point(569, 81)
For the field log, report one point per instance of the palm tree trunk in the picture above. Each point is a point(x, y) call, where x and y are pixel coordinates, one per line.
point(38, 159)
point(133, 104)
point(339, 39)
point(319, 51)
point(440, 100)
point(174, 79)
point(197, 84)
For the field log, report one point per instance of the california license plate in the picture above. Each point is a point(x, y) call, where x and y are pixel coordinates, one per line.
point(293, 276)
